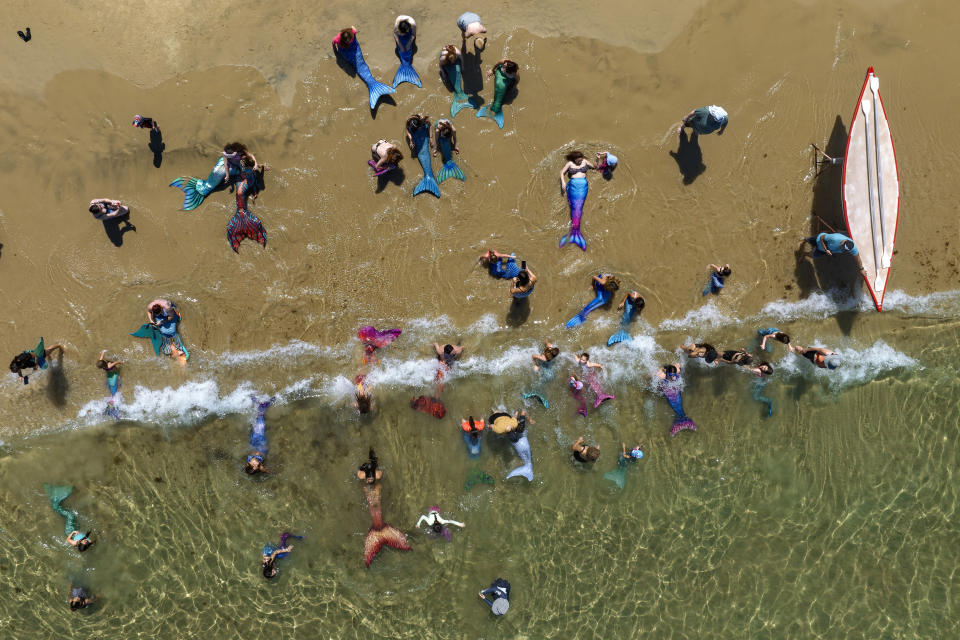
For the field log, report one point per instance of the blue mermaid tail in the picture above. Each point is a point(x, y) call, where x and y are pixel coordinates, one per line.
point(421, 146)
point(522, 447)
point(602, 298)
point(675, 398)
point(629, 310)
point(59, 493)
point(449, 168)
point(354, 56)
point(758, 386)
point(244, 224)
point(501, 83)
point(473, 441)
point(577, 189)
point(406, 72)
point(460, 99)
point(195, 189)
point(270, 547)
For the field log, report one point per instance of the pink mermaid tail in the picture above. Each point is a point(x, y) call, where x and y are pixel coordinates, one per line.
point(380, 533)
point(675, 398)
point(581, 403)
point(373, 337)
point(601, 397)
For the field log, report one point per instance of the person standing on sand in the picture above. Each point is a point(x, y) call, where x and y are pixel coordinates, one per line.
point(705, 120)
point(34, 359)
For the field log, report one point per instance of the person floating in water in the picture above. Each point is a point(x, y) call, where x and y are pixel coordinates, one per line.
point(437, 524)
point(705, 120)
point(74, 537)
point(545, 358)
point(500, 265)
point(380, 533)
point(718, 275)
point(79, 598)
point(34, 359)
point(819, 356)
point(499, 591)
point(624, 461)
point(739, 357)
point(582, 452)
point(271, 553)
point(447, 355)
point(256, 459)
point(772, 334)
point(701, 350)
point(362, 398)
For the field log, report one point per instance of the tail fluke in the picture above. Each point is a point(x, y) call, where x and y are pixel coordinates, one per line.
point(378, 90)
point(681, 424)
point(576, 320)
point(450, 170)
point(485, 112)
point(406, 73)
point(601, 398)
point(429, 185)
point(242, 225)
point(524, 470)
point(457, 105)
point(376, 538)
point(543, 401)
point(618, 475)
point(191, 197)
point(574, 237)
point(619, 336)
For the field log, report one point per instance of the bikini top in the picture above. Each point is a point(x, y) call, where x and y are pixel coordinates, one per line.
point(582, 168)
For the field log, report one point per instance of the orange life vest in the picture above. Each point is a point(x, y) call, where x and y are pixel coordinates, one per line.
point(477, 426)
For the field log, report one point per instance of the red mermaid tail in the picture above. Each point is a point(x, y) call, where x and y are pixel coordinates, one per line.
point(242, 225)
point(384, 535)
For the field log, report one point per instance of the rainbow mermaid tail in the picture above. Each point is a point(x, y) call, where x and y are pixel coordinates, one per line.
point(601, 397)
point(59, 493)
point(354, 56)
point(603, 297)
point(380, 533)
point(522, 447)
point(675, 398)
point(449, 168)
point(195, 189)
point(244, 224)
point(629, 310)
point(501, 83)
point(577, 189)
point(421, 146)
point(406, 72)
point(460, 99)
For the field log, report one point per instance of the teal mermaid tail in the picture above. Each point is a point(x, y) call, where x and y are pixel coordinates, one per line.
point(618, 475)
point(501, 83)
point(460, 99)
point(406, 72)
point(59, 493)
point(449, 168)
point(533, 394)
point(629, 310)
point(354, 56)
point(522, 447)
point(577, 189)
point(421, 146)
point(675, 397)
point(758, 386)
point(195, 189)
point(603, 297)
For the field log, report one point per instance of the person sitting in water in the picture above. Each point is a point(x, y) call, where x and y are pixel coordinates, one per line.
point(821, 357)
point(583, 452)
point(500, 265)
point(256, 459)
point(701, 350)
point(717, 276)
point(447, 354)
point(34, 359)
point(585, 364)
point(269, 561)
point(160, 310)
point(107, 209)
point(507, 67)
point(471, 26)
point(472, 426)
point(524, 282)
point(405, 32)
point(111, 368)
point(344, 39)
point(636, 453)
point(415, 122)
point(773, 334)
point(705, 120)
point(445, 129)
point(739, 357)
point(385, 154)
point(606, 162)
point(763, 370)
point(500, 592)
point(635, 298)
point(79, 598)
point(550, 351)
point(449, 54)
point(608, 281)
point(435, 522)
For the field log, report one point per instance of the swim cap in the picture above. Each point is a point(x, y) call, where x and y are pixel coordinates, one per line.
point(576, 384)
point(137, 120)
point(636, 453)
point(833, 361)
point(611, 160)
point(500, 606)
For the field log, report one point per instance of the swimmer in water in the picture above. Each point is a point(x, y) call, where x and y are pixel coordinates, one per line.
point(718, 275)
point(545, 358)
point(773, 334)
point(435, 522)
point(79, 598)
point(258, 439)
point(819, 356)
point(740, 357)
point(583, 452)
point(763, 370)
point(701, 350)
point(363, 400)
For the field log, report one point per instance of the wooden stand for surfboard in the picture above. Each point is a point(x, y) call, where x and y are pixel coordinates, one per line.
point(871, 188)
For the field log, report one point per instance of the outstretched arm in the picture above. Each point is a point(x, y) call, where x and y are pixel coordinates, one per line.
point(424, 520)
point(454, 522)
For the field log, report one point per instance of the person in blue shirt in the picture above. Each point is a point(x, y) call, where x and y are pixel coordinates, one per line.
point(829, 244)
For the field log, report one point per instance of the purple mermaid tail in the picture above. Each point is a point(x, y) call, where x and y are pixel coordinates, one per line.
point(375, 338)
point(577, 189)
point(675, 398)
point(581, 403)
point(601, 397)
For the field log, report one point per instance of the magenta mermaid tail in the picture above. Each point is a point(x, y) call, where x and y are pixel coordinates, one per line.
point(601, 397)
point(581, 403)
point(675, 398)
point(371, 336)
point(577, 189)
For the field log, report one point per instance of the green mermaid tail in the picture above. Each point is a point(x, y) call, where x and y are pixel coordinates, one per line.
point(59, 493)
point(501, 83)
point(449, 168)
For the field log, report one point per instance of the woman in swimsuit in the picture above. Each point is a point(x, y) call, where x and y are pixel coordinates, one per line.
point(701, 350)
point(449, 54)
point(385, 153)
point(79, 598)
point(823, 358)
point(779, 336)
point(470, 26)
point(550, 352)
point(740, 357)
point(107, 209)
point(762, 370)
point(344, 39)
point(493, 261)
point(576, 167)
point(33, 359)
point(583, 452)
point(414, 123)
point(509, 68)
point(446, 129)
point(404, 27)
point(523, 284)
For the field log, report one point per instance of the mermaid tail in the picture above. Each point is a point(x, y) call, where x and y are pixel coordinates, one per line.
point(477, 477)
point(603, 297)
point(430, 406)
point(577, 189)
point(406, 72)
point(598, 392)
point(371, 336)
point(460, 99)
point(533, 394)
point(242, 225)
point(581, 403)
point(758, 386)
point(59, 493)
point(449, 168)
point(354, 56)
point(472, 441)
point(195, 189)
point(618, 475)
point(622, 336)
point(495, 110)
point(522, 447)
point(387, 168)
point(380, 533)
point(421, 146)
point(675, 398)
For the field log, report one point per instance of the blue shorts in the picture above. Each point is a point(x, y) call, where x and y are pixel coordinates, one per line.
point(467, 19)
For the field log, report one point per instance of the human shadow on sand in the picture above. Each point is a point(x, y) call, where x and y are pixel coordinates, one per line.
point(391, 177)
point(689, 157)
point(519, 312)
point(57, 383)
point(157, 146)
point(116, 227)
